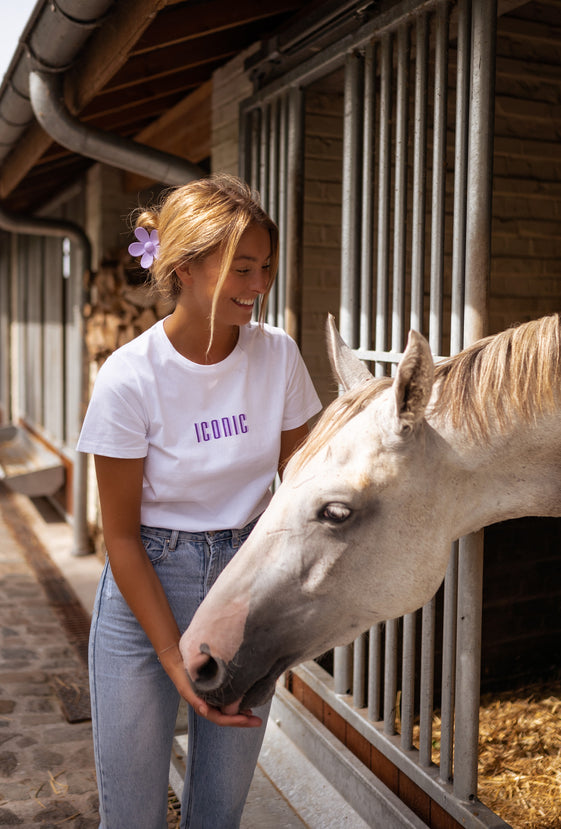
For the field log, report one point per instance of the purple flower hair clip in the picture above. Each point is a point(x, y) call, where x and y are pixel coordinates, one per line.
point(148, 246)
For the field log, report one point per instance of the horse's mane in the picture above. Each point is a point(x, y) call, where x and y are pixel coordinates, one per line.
point(511, 375)
point(514, 374)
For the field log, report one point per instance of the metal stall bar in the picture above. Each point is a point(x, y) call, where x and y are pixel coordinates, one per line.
point(478, 263)
point(367, 213)
point(294, 216)
point(419, 173)
point(400, 188)
point(283, 186)
point(383, 208)
point(397, 328)
point(435, 337)
point(448, 688)
point(350, 277)
point(273, 195)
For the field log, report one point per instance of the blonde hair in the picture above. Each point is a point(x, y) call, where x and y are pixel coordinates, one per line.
point(196, 220)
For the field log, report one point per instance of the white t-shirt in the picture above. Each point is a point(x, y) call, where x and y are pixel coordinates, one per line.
point(210, 434)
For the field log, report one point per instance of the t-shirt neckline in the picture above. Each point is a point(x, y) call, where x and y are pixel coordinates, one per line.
point(225, 363)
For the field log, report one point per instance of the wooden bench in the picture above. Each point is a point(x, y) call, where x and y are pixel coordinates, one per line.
point(27, 465)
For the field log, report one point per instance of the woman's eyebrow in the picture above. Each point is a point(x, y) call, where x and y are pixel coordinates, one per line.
point(249, 258)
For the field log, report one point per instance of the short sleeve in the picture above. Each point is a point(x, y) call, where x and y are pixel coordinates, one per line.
point(301, 399)
point(115, 424)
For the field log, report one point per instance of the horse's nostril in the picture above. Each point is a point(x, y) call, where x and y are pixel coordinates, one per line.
point(208, 671)
point(211, 671)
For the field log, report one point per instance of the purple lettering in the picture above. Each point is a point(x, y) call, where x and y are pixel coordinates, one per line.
point(225, 427)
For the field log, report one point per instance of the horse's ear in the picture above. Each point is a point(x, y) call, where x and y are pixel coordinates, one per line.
point(346, 366)
point(413, 383)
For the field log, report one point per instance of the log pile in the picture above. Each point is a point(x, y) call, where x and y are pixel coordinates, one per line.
point(121, 306)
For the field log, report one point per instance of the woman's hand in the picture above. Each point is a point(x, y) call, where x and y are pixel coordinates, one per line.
point(172, 663)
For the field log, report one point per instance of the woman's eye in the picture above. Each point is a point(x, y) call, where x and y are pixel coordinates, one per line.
point(335, 513)
point(242, 270)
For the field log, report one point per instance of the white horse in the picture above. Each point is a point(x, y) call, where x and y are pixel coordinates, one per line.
point(361, 527)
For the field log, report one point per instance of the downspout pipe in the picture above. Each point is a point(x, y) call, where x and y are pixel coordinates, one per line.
point(49, 107)
point(64, 229)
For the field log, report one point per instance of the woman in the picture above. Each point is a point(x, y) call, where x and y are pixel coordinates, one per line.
point(189, 424)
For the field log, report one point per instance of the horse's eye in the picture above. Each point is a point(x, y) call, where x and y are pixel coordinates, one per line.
point(336, 513)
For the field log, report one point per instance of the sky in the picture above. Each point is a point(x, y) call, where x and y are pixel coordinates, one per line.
point(13, 17)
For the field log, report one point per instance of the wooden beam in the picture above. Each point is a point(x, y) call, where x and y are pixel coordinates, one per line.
point(184, 130)
point(109, 49)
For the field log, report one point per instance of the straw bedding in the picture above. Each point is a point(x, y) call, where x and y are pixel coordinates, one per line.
point(520, 755)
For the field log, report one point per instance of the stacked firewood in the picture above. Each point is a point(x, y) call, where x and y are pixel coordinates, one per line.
point(121, 305)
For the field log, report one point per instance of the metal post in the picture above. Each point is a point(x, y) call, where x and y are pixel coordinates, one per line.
point(439, 177)
point(449, 626)
point(478, 263)
point(384, 167)
point(390, 677)
point(350, 268)
point(350, 219)
point(400, 189)
point(460, 177)
point(294, 212)
point(419, 175)
point(408, 681)
point(367, 217)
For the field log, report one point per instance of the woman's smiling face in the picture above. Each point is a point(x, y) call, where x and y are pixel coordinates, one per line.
point(247, 279)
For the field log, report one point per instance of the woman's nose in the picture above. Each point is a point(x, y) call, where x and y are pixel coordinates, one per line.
point(260, 281)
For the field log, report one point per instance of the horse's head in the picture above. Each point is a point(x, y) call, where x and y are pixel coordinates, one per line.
point(349, 539)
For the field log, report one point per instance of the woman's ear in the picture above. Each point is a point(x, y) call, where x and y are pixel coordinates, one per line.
point(184, 274)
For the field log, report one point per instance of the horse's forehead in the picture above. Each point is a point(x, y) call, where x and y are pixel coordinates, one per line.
point(358, 454)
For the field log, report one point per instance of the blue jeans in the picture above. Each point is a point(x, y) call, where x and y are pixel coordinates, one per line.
point(134, 703)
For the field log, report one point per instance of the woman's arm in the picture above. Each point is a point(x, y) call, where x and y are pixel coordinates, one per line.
point(120, 491)
point(291, 440)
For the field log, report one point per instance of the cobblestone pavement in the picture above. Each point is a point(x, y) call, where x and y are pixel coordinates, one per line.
point(47, 774)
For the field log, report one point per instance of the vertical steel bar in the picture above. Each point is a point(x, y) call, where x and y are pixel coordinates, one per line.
point(367, 213)
point(351, 197)
point(427, 683)
point(244, 151)
point(384, 169)
point(374, 672)
point(255, 147)
point(478, 264)
point(263, 182)
point(419, 174)
point(408, 681)
point(359, 671)
point(294, 212)
point(390, 677)
point(438, 177)
point(400, 189)
point(448, 666)
point(273, 200)
point(350, 271)
point(460, 176)
point(283, 142)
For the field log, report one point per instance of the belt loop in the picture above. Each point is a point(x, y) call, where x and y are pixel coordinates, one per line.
point(172, 544)
point(236, 541)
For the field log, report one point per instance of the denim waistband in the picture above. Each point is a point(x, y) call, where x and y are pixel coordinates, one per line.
point(236, 536)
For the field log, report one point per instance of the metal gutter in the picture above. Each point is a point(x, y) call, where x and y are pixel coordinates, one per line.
point(47, 101)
